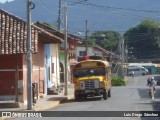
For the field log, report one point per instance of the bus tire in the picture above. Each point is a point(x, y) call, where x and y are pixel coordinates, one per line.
point(85, 97)
point(105, 95)
point(109, 93)
point(76, 97)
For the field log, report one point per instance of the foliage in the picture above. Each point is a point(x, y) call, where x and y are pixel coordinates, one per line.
point(49, 25)
point(106, 39)
point(117, 81)
point(144, 39)
point(92, 41)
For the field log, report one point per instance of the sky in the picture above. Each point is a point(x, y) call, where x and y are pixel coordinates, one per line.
point(3, 1)
point(116, 15)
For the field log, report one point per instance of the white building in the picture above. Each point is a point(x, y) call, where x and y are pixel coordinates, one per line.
point(93, 50)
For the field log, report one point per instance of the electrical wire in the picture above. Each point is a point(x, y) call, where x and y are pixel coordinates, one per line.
point(114, 11)
point(78, 2)
point(104, 7)
point(46, 6)
point(117, 8)
point(126, 9)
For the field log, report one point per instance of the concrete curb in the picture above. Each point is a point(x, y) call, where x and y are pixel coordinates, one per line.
point(49, 106)
point(54, 104)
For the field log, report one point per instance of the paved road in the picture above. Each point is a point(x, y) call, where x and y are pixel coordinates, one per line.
point(133, 97)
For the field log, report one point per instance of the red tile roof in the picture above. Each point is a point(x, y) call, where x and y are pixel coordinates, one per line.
point(13, 35)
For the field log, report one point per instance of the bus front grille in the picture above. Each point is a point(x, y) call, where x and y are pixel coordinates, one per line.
point(89, 84)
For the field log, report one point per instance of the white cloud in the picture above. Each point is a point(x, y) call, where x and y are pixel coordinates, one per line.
point(3, 1)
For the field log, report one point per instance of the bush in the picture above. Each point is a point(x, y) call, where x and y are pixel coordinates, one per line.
point(118, 82)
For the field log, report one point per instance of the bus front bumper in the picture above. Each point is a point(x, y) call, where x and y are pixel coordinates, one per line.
point(90, 92)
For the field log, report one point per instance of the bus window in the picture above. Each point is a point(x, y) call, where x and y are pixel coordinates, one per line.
point(89, 72)
point(79, 73)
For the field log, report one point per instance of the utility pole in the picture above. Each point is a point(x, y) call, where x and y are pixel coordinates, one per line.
point(86, 38)
point(65, 51)
point(122, 56)
point(29, 58)
point(59, 15)
point(126, 54)
point(59, 28)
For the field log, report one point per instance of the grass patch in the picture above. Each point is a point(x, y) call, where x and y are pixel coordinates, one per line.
point(117, 81)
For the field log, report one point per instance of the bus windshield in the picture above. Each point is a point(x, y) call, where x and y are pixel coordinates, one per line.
point(90, 72)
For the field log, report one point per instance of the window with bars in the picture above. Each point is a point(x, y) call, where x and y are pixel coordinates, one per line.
point(82, 53)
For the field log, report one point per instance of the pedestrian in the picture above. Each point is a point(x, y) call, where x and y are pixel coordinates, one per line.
point(151, 83)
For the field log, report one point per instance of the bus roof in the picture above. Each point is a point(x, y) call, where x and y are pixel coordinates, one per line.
point(106, 63)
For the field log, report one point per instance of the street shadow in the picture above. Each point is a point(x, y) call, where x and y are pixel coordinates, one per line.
point(85, 100)
point(143, 92)
point(9, 105)
point(91, 99)
point(150, 118)
point(55, 98)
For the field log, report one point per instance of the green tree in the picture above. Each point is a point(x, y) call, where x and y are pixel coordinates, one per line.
point(144, 40)
point(106, 39)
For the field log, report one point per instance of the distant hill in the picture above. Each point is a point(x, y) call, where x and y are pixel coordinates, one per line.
point(118, 15)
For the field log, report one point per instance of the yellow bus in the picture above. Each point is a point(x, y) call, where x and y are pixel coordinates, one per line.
point(92, 78)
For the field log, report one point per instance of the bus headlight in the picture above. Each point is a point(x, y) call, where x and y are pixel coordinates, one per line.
point(102, 84)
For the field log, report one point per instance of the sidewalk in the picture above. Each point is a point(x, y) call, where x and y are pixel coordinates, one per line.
point(47, 102)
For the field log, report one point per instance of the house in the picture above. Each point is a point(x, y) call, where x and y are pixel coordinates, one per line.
point(13, 50)
point(72, 43)
point(94, 51)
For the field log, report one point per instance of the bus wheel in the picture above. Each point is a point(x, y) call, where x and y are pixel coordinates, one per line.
point(109, 93)
point(85, 97)
point(105, 95)
point(76, 97)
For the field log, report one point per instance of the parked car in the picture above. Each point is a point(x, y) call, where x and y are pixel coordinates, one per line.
point(157, 79)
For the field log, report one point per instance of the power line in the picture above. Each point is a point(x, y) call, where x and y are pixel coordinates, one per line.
point(102, 8)
point(85, 2)
point(46, 6)
point(78, 2)
point(126, 9)
point(114, 11)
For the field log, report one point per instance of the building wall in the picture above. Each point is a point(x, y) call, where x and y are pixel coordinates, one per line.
point(98, 53)
point(81, 48)
point(10, 75)
point(62, 67)
point(38, 72)
point(47, 66)
point(52, 65)
point(55, 69)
